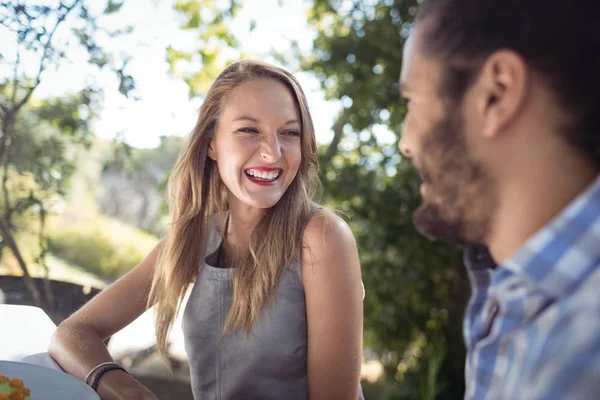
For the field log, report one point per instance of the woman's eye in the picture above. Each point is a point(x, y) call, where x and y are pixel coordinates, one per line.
point(248, 130)
point(291, 133)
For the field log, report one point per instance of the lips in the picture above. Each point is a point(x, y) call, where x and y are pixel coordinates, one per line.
point(263, 175)
point(425, 178)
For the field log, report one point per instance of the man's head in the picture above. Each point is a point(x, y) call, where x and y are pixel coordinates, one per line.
point(495, 86)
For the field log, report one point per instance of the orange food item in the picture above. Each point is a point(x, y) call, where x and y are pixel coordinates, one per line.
point(17, 396)
point(13, 389)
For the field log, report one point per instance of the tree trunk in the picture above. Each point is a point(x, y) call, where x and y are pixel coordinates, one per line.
point(42, 258)
point(12, 244)
point(338, 134)
point(8, 125)
point(7, 132)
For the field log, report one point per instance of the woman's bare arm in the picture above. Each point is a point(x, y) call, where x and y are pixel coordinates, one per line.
point(333, 289)
point(78, 343)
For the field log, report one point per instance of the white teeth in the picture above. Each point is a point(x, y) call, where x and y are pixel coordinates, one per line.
point(263, 174)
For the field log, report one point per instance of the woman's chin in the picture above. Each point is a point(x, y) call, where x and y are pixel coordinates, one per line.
point(264, 203)
point(260, 202)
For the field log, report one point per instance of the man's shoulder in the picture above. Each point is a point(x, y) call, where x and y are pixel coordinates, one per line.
point(585, 295)
point(578, 310)
point(564, 359)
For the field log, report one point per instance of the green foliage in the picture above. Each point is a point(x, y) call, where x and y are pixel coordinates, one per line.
point(134, 184)
point(381, 390)
point(37, 139)
point(101, 245)
point(216, 48)
point(416, 289)
point(47, 135)
point(37, 171)
point(113, 6)
point(34, 27)
point(358, 54)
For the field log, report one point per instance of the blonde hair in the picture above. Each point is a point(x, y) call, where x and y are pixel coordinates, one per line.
point(196, 194)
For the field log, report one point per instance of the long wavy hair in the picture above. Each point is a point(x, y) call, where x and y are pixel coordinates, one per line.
point(197, 194)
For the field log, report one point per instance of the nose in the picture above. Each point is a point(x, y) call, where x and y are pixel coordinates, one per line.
point(404, 147)
point(270, 149)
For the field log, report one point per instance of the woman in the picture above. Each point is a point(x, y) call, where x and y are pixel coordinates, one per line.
point(276, 306)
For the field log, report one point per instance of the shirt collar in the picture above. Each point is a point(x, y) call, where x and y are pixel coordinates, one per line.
point(477, 257)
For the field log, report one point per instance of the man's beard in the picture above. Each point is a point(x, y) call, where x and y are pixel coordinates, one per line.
point(460, 193)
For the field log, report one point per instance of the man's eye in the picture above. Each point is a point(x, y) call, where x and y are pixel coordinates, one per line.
point(248, 130)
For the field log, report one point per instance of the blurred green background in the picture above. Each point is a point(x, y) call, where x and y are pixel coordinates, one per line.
point(96, 98)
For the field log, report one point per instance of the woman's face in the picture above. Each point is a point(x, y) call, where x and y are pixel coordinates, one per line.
point(257, 145)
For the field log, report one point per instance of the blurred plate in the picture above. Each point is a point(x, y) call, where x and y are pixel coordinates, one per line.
point(48, 384)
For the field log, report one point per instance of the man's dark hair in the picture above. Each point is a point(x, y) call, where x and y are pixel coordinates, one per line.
point(558, 39)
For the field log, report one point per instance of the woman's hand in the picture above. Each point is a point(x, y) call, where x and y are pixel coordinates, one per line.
point(137, 394)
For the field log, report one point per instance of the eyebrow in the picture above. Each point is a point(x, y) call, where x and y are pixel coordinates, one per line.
point(245, 117)
point(252, 119)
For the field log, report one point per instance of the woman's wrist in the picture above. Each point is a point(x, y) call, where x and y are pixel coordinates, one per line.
point(119, 385)
point(101, 372)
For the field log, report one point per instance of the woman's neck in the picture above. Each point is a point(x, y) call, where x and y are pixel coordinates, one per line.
point(241, 222)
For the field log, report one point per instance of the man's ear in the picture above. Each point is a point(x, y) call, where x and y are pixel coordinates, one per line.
point(503, 85)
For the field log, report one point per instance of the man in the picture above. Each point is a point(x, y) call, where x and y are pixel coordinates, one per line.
point(503, 124)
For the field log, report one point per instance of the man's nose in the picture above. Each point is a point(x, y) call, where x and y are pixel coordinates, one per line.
point(404, 147)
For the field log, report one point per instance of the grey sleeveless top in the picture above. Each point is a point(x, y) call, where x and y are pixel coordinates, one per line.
point(270, 363)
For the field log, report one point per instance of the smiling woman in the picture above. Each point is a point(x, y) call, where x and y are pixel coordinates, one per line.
point(276, 305)
point(258, 142)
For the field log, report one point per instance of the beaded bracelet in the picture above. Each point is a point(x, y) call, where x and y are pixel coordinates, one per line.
point(104, 370)
point(89, 375)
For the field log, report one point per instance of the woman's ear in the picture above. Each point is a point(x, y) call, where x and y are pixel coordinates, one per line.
point(212, 154)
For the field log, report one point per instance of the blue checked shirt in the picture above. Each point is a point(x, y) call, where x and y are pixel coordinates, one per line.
point(532, 327)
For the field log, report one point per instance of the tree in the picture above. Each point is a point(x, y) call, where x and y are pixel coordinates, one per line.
point(134, 182)
point(209, 20)
point(36, 178)
point(35, 28)
point(415, 289)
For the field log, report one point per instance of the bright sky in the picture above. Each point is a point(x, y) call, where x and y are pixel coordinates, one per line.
point(164, 107)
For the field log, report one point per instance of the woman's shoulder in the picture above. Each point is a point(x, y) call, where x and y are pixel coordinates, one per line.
point(327, 233)
point(329, 255)
point(324, 219)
